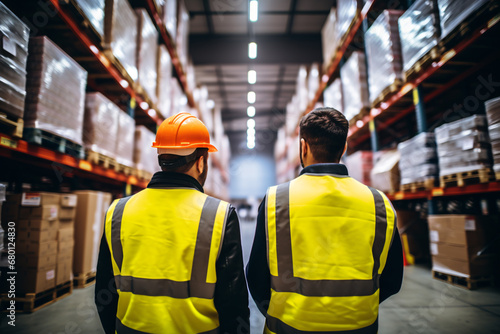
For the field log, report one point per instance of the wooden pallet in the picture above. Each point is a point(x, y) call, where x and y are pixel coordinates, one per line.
point(143, 175)
point(388, 92)
point(118, 65)
point(424, 62)
point(127, 170)
point(471, 177)
point(11, 125)
point(413, 187)
point(53, 142)
point(32, 302)
point(463, 282)
point(100, 159)
point(497, 175)
point(84, 280)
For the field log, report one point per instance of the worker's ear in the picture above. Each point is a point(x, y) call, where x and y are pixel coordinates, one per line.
point(304, 148)
point(200, 165)
point(345, 149)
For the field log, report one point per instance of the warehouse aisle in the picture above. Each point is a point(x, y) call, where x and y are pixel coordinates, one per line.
point(423, 306)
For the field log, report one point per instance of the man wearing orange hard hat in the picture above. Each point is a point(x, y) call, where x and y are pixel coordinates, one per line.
point(170, 259)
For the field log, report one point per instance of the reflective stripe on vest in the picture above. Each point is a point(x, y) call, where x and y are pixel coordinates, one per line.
point(205, 220)
point(286, 284)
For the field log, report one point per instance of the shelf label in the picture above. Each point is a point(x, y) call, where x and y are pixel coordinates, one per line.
point(437, 192)
point(9, 46)
point(434, 236)
point(8, 142)
point(32, 199)
point(85, 165)
point(128, 189)
point(416, 100)
point(371, 125)
point(399, 196)
point(470, 224)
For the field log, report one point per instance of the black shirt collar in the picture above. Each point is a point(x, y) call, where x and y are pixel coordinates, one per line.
point(174, 180)
point(326, 168)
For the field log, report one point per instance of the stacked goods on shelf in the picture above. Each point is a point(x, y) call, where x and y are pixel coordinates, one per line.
point(359, 165)
point(354, 85)
point(13, 57)
point(55, 91)
point(453, 12)
point(170, 17)
point(164, 81)
point(94, 11)
point(125, 143)
point(200, 96)
point(383, 49)
point(190, 75)
point(159, 4)
point(292, 115)
point(385, 173)
point(414, 233)
point(65, 238)
point(280, 155)
point(418, 162)
point(90, 212)
point(312, 82)
point(329, 37)
point(120, 34)
point(419, 31)
point(182, 37)
point(493, 115)
point(145, 157)
point(101, 125)
point(332, 95)
point(455, 243)
point(347, 10)
point(463, 146)
point(301, 90)
point(147, 43)
point(177, 97)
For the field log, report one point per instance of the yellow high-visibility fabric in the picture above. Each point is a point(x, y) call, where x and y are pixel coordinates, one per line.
point(159, 235)
point(332, 228)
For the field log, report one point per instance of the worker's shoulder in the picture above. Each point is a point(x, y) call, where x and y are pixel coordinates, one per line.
point(220, 201)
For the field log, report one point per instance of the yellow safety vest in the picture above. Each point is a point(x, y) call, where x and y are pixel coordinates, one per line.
point(164, 245)
point(327, 243)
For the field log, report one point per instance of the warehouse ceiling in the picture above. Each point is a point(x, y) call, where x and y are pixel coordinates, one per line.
point(287, 33)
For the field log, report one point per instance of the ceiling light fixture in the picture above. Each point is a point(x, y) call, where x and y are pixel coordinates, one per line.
point(144, 105)
point(251, 123)
point(252, 50)
point(251, 111)
point(251, 97)
point(252, 77)
point(254, 11)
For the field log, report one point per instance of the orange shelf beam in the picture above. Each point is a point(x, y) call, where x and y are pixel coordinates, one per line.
point(472, 189)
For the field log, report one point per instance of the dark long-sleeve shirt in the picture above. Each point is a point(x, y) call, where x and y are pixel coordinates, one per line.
point(259, 277)
point(231, 296)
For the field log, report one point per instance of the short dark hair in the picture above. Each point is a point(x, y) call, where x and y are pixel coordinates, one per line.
point(325, 130)
point(199, 152)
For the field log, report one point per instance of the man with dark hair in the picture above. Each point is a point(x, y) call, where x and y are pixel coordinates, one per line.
point(326, 251)
point(170, 259)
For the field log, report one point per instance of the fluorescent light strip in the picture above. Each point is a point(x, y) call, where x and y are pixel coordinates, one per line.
point(254, 11)
point(252, 50)
point(251, 97)
point(252, 77)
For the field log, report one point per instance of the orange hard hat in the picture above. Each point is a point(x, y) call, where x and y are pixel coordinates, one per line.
point(182, 132)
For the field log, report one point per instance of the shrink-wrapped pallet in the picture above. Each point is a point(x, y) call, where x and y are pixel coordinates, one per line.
point(170, 17)
point(301, 92)
point(14, 38)
point(125, 142)
point(385, 173)
point(359, 165)
point(463, 145)
point(346, 13)
point(419, 31)
point(145, 157)
point(182, 37)
point(55, 91)
point(312, 82)
point(177, 96)
point(101, 124)
point(418, 162)
point(453, 12)
point(332, 95)
point(94, 11)
point(164, 81)
point(354, 85)
point(329, 38)
point(383, 49)
point(493, 116)
point(120, 34)
point(147, 44)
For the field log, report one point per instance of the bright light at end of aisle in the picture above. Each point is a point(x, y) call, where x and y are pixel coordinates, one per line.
point(252, 50)
point(251, 145)
point(251, 123)
point(144, 105)
point(252, 77)
point(251, 97)
point(254, 11)
point(251, 111)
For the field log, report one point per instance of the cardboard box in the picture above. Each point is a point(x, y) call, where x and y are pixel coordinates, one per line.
point(36, 236)
point(37, 224)
point(32, 248)
point(37, 261)
point(44, 212)
point(465, 230)
point(35, 281)
point(65, 235)
point(15, 202)
point(67, 213)
point(89, 223)
point(68, 200)
point(64, 271)
point(478, 267)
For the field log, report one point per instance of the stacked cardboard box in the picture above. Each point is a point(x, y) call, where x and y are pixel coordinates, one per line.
point(493, 115)
point(418, 161)
point(164, 78)
point(65, 238)
point(170, 17)
point(14, 37)
point(455, 242)
point(329, 37)
point(145, 157)
point(385, 173)
point(125, 142)
point(147, 43)
point(359, 165)
point(90, 213)
point(332, 95)
point(182, 37)
point(312, 82)
point(94, 11)
point(354, 85)
point(347, 10)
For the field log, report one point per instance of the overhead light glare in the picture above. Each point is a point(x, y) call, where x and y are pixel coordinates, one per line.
point(252, 50)
point(251, 97)
point(254, 11)
point(144, 105)
point(251, 123)
point(210, 104)
point(252, 77)
point(251, 111)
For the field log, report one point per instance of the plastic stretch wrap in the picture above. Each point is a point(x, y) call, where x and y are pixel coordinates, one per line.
point(190, 75)
point(418, 160)
point(292, 115)
point(312, 82)
point(182, 38)
point(346, 12)
point(385, 173)
point(14, 38)
point(359, 165)
point(383, 48)
point(101, 124)
point(354, 85)
point(419, 31)
point(463, 145)
point(170, 17)
point(125, 142)
point(301, 89)
point(55, 91)
point(493, 116)
point(164, 79)
point(177, 96)
point(94, 11)
point(146, 53)
point(145, 157)
point(120, 34)
point(453, 12)
point(329, 36)
point(332, 95)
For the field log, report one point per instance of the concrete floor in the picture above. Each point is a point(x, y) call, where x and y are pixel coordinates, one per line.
point(423, 306)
